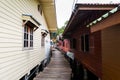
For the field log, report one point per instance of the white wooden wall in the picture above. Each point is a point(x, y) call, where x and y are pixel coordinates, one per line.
point(15, 62)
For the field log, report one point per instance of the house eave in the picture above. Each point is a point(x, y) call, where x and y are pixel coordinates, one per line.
point(83, 10)
point(49, 10)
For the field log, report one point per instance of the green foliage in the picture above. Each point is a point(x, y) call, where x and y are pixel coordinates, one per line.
point(61, 30)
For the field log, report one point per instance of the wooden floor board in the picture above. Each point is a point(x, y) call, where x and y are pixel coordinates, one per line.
point(57, 69)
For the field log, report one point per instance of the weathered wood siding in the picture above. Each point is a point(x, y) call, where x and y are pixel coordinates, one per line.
point(90, 59)
point(14, 61)
point(111, 53)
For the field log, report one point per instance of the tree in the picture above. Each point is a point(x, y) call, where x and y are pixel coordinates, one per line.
point(61, 30)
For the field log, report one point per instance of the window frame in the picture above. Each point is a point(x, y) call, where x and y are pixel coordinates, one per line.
point(73, 44)
point(44, 33)
point(85, 42)
point(42, 41)
point(26, 34)
point(29, 39)
point(82, 46)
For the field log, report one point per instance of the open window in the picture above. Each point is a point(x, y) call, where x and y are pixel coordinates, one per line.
point(30, 24)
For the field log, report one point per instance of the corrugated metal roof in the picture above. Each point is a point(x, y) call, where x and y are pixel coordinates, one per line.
point(104, 16)
point(98, 4)
point(84, 11)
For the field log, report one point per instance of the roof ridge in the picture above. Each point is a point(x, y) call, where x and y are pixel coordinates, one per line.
point(97, 3)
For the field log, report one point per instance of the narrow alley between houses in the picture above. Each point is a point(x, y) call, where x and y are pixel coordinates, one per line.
point(38, 43)
point(57, 69)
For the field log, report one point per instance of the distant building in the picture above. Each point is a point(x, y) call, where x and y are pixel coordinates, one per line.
point(25, 27)
point(92, 32)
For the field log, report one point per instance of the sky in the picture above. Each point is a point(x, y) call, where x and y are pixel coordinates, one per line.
point(64, 8)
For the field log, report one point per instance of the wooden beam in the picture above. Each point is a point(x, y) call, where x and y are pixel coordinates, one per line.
point(96, 8)
point(108, 22)
point(23, 24)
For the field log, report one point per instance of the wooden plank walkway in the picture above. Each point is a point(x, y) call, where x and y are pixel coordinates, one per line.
point(57, 69)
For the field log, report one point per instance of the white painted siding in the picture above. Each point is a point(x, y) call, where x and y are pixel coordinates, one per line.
point(47, 45)
point(14, 61)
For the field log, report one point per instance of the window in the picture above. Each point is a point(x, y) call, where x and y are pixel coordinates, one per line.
point(82, 43)
point(31, 37)
point(43, 41)
point(28, 36)
point(25, 36)
point(30, 24)
point(85, 43)
point(43, 35)
point(73, 43)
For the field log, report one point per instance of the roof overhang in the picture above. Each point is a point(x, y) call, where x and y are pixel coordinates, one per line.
point(111, 18)
point(44, 32)
point(30, 20)
point(95, 6)
point(48, 7)
point(82, 12)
